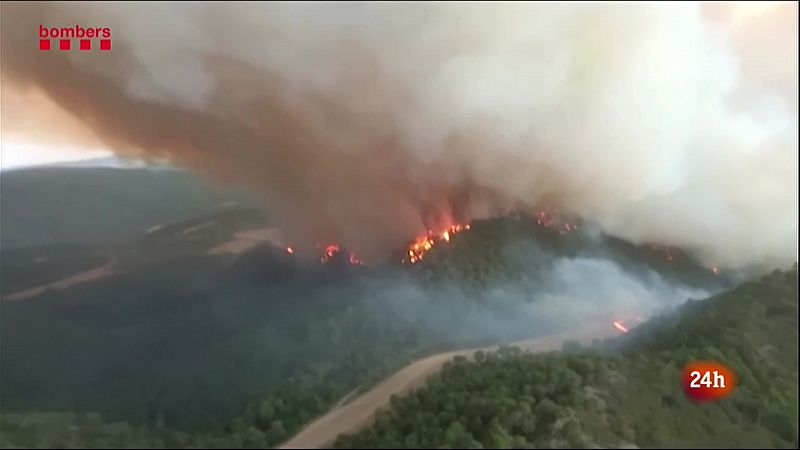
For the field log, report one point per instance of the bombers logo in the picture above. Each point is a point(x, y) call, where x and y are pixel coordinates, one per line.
point(64, 36)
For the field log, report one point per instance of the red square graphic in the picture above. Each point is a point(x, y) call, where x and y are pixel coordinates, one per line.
point(105, 44)
point(86, 44)
point(64, 44)
point(44, 44)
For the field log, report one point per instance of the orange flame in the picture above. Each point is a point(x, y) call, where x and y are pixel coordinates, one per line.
point(330, 251)
point(422, 244)
point(618, 325)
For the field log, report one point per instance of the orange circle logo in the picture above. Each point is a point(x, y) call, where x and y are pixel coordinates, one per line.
point(705, 381)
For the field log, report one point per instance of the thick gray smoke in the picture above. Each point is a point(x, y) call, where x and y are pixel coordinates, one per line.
point(567, 293)
point(366, 123)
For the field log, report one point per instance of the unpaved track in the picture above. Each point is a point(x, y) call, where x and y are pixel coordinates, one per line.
point(244, 241)
point(83, 277)
point(352, 416)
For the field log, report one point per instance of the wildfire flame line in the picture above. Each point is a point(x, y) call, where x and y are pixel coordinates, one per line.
point(423, 244)
point(420, 246)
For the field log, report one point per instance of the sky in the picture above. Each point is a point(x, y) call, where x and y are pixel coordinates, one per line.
point(39, 132)
point(17, 153)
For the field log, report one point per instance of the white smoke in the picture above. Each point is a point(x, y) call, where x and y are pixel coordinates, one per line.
point(671, 123)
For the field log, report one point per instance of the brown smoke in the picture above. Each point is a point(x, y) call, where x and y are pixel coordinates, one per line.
point(366, 123)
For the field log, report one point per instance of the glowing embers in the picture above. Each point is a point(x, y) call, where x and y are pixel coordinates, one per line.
point(423, 244)
point(352, 259)
point(331, 252)
point(672, 254)
point(553, 220)
point(667, 253)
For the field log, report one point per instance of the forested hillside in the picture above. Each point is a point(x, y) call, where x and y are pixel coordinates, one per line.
point(247, 349)
point(620, 393)
point(101, 205)
point(626, 393)
point(500, 249)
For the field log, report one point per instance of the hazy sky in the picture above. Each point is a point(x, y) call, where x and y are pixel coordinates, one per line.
point(19, 153)
point(41, 133)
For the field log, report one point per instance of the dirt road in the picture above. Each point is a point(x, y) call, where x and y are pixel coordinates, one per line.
point(359, 412)
point(83, 277)
point(245, 241)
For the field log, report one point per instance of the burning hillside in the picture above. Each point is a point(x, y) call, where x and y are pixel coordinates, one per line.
point(419, 247)
point(422, 244)
point(545, 219)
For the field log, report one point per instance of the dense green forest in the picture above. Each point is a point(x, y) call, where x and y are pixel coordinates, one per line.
point(621, 394)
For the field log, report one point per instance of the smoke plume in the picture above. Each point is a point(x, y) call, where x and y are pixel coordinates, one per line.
point(365, 124)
